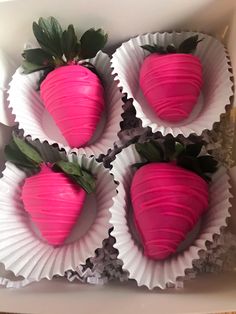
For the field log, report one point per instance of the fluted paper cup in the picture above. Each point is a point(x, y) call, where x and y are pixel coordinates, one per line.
point(34, 119)
point(7, 68)
point(25, 253)
point(215, 93)
point(148, 272)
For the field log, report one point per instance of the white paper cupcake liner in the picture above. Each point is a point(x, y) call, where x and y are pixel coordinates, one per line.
point(22, 250)
point(216, 91)
point(36, 122)
point(145, 271)
point(7, 68)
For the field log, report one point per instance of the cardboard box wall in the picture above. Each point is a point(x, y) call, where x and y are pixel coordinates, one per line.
point(122, 19)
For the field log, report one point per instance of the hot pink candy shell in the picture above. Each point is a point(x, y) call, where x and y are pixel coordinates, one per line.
point(54, 203)
point(172, 75)
point(168, 201)
point(74, 97)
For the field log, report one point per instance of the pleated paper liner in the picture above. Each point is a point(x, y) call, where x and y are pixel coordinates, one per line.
point(24, 252)
point(217, 83)
point(151, 273)
point(34, 119)
point(7, 68)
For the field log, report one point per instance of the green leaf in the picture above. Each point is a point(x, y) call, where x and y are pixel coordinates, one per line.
point(91, 42)
point(207, 164)
point(30, 67)
point(151, 151)
point(171, 49)
point(179, 149)
point(69, 43)
point(30, 152)
point(169, 148)
point(37, 56)
point(80, 176)
point(87, 182)
point(51, 27)
point(190, 163)
point(56, 27)
point(54, 32)
point(149, 48)
point(193, 149)
point(47, 43)
point(14, 155)
point(154, 49)
point(189, 45)
point(70, 168)
point(42, 38)
point(185, 156)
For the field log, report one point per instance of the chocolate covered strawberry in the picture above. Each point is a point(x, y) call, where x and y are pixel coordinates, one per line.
point(171, 79)
point(169, 194)
point(70, 88)
point(54, 195)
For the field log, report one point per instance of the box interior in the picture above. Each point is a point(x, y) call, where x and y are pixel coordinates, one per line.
point(122, 19)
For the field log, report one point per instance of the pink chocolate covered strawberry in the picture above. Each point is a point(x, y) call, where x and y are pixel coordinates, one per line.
point(169, 193)
point(70, 88)
point(171, 79)
point(54, 195)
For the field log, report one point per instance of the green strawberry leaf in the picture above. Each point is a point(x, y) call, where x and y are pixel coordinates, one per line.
point(184, 155)
point(43, 76)
point(179, 149)
point(207, 164)
point(54, 32)
point(30, 152)
point(169, 148)
point(60, 47)
point(193, 149)
point(31, 67)
point(69, 43)
point(70, 168)
point(151, 151)
point(37, 56)
point(87, 181)
point(149, 48)
point(189, 45)
point(77, 174)
point(15, 156)
point(52, 28)
point(190, 163)
point(171, 48)
point(91, 42)
point(43, 39)
point(47, 43)
point(154, 49)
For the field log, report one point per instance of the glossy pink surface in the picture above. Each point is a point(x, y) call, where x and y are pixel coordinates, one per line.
point(171, 84)
point(54, 203)
point(168, 201)
point(74, 97)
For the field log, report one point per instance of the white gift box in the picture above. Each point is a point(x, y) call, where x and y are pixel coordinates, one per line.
point(122, 19)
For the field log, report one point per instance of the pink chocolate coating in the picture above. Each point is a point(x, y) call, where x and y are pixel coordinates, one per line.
point(74, 97)
point(171, 84)
point(168, 201)
point(54, 203)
